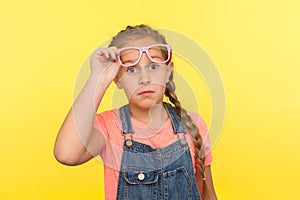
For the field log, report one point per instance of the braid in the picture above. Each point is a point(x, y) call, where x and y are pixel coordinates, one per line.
point(192, 128)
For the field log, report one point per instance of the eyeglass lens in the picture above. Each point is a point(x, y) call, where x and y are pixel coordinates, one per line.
point(157, 54)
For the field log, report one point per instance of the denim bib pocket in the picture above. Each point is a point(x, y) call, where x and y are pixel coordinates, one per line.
point(140, 185)
point(135, 177)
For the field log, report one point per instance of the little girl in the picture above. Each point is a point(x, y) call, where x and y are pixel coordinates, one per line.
point(151, 149)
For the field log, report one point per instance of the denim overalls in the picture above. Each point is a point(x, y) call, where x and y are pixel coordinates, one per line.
point(156, 173)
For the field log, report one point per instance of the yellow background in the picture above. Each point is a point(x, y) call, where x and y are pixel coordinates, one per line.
point(254, 44)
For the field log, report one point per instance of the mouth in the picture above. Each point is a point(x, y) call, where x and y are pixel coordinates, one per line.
point(146, 92)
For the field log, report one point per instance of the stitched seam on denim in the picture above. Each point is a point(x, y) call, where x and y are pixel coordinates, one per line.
point(154, 194)
point(160, 157)
point(125, 191)
point(172, 148)
point(166, 194)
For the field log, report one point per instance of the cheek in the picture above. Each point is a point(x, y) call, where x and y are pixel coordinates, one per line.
point(161, 90)
point(160, 79)
point(129, 86)
point(130, 90)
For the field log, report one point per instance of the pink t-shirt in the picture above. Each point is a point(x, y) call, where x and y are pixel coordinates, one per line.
point(109, 124)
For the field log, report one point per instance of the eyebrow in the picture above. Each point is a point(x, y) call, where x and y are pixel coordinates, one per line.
point(128, 60)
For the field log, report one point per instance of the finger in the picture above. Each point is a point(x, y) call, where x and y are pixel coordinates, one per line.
point(103, 52)
point(113, 52)
point(106, 54)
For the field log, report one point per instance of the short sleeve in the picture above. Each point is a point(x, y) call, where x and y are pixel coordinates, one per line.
point(99, 124)
point(108, 123)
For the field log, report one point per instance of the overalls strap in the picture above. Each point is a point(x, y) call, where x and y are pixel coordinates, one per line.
point(177, 125)
point(126, 119)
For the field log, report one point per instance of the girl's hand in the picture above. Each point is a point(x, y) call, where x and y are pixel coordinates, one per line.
point(104, 63)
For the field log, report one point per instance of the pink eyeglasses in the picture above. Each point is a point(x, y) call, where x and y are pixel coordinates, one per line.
point(157, 53)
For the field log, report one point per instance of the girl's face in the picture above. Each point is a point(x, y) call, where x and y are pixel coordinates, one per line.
point(144, 83)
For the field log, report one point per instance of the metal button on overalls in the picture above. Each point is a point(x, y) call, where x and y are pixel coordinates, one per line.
point(128, 143)
point(141, 176)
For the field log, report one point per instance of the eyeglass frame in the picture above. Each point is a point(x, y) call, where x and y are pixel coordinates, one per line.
point(145, 49)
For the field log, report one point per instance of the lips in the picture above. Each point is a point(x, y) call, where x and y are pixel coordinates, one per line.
point(146, 92)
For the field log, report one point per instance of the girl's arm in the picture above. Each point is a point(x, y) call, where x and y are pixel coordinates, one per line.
point(209, 183)
point(77, 141)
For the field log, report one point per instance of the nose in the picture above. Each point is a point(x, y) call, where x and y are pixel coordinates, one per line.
point(144, 77)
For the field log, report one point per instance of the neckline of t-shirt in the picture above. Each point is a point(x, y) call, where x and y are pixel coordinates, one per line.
point(142, 125)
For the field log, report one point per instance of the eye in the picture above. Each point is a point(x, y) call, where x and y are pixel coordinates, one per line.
point(131, 70)
point(153, 67)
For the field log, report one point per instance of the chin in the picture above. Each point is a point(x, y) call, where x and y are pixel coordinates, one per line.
point(146, 103)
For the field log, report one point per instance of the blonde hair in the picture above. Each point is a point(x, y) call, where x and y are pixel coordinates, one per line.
point(140, 31)
point(136, 32)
